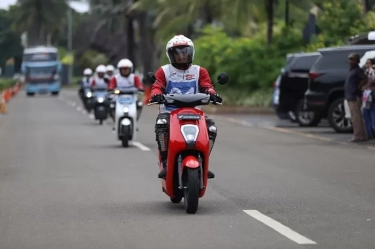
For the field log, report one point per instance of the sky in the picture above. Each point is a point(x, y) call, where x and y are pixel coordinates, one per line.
point(78, 6)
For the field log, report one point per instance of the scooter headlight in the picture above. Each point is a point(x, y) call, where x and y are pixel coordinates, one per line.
point(89, 95)
point(126, 110)
point(117, 91)
point(190, 133)
point(100, 99)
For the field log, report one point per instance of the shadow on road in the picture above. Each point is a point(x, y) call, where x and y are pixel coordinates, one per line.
point(167, 208)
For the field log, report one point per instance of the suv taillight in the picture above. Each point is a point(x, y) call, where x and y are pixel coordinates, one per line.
point(313, 75)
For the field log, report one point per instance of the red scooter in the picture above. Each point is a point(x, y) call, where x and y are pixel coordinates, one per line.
point(189, 149)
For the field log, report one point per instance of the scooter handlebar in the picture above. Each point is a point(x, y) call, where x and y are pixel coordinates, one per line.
point(160, 103)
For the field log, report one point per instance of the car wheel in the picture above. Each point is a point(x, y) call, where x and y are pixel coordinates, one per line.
point(336, 117)
point(306, 118)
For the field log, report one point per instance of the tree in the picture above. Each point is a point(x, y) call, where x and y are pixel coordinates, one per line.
point(39, 17)
point(340, 20)
point(10, 41)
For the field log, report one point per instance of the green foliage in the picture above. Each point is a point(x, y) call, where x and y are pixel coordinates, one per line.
point(10, 41)
point(340, 20)
point(258, 98)
point(62, 52)
point(91, 59)
point(251, 64)
point(6, 83)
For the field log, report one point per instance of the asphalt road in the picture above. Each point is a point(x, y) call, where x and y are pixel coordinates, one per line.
point(65, 182)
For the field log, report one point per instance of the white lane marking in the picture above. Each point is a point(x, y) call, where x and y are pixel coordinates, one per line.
point(280, 228)
point(79, 108)
point(140, 146)
point(91, 116)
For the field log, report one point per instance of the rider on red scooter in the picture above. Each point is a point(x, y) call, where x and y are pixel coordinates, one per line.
point(180, 77)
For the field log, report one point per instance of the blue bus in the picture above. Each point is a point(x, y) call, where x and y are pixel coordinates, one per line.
point(41, 67)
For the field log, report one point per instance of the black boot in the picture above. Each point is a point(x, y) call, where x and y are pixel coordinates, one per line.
point(163, 172)
point(210, 175)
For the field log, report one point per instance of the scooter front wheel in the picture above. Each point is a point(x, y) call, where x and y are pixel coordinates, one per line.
point(191, 193)
point(125, 140)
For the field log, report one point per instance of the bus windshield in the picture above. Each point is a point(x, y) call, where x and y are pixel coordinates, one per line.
point(40, 73)
point(37, 57)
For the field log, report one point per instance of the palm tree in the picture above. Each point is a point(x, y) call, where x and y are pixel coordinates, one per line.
point(115, 16)
point(39, 17)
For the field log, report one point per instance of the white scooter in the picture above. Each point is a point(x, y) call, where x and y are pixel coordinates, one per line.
point(126, 114)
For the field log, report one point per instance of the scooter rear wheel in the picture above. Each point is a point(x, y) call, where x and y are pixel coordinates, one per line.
point(176, 199)
point(191, 193)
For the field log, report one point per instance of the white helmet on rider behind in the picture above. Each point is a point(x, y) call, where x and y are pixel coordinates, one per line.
point(101, 69)
point(110, 68)
point(125, 63)
point(87, 71)
point(180, 45)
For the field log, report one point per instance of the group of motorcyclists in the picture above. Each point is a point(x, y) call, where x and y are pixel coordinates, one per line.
point(179, 77)
point(105, 77)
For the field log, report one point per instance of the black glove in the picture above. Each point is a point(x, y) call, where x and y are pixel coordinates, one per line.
point(157, 98)
point(216, 98)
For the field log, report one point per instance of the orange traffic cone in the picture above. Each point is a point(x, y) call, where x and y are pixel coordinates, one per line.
point(3, 105)
point(6, 95)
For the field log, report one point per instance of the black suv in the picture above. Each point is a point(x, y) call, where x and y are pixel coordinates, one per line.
point(325, 93)
point(291, 86)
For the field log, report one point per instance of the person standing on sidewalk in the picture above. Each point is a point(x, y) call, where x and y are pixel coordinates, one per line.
point(353, 94)
point(368, 105)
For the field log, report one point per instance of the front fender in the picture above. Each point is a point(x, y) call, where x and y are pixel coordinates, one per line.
point(126, 122)
point(190, 162)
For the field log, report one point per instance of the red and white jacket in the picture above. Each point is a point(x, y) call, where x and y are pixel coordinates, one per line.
point(119, 81)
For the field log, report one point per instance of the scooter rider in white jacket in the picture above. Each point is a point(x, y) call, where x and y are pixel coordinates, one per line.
point(86, 81)
point(110, 71)
point(87, 77)
point(99, 79)
point(125, 78)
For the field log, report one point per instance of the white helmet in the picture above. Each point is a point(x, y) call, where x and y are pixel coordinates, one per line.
point(101, 69)
point(179, 45)
point(110, 68)
point(125, 63)
point(87, 71)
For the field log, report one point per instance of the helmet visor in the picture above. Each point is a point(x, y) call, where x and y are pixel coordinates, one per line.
point(181, 55)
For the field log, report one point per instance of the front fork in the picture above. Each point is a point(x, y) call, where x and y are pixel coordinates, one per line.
point(179, 170)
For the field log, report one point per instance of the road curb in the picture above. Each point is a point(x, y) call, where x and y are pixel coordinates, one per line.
point(237, 109)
